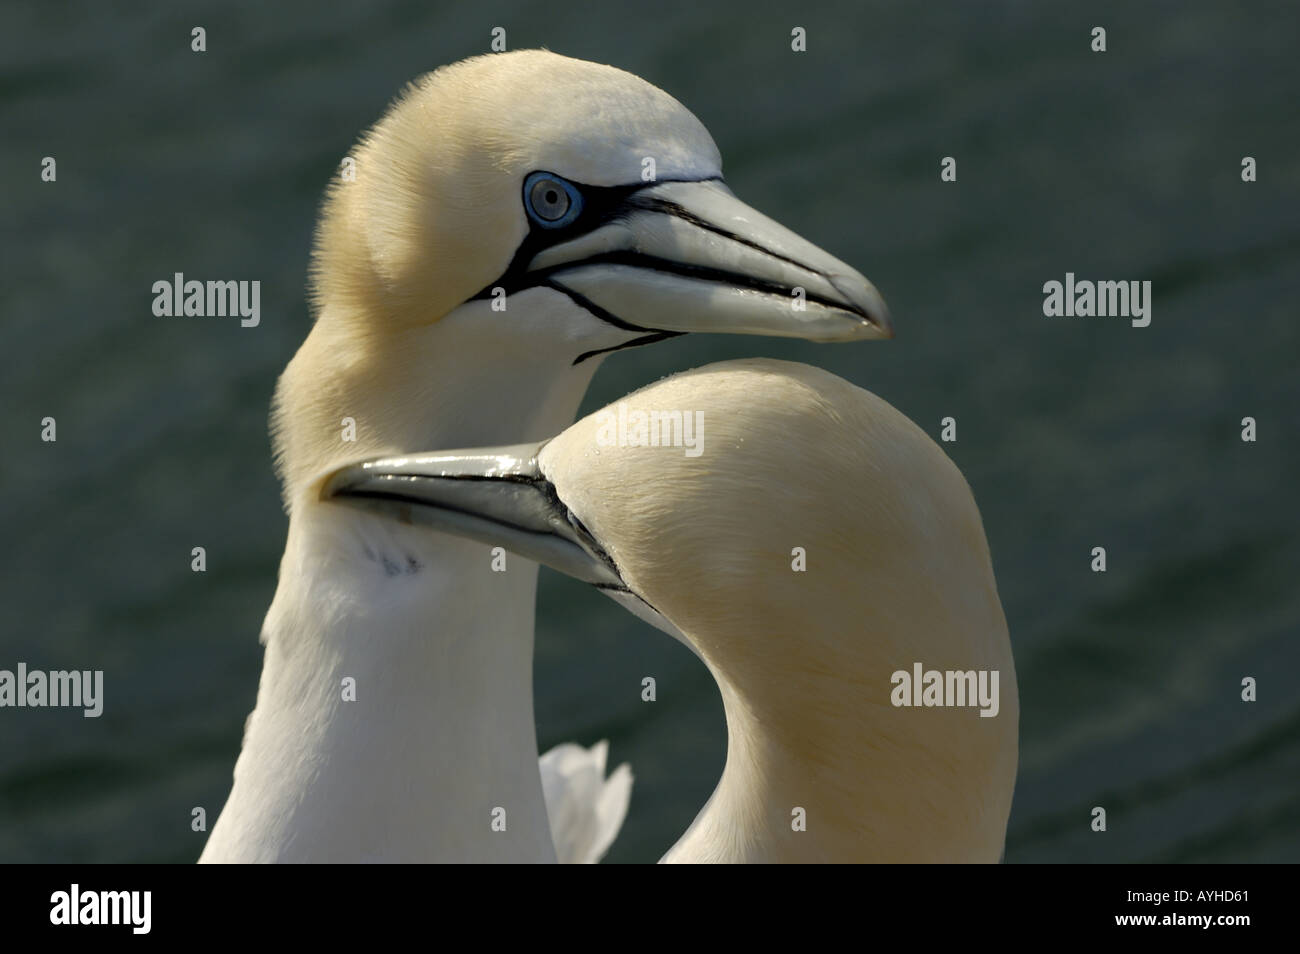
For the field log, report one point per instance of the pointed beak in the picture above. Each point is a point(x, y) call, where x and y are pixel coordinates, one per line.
point(683, 257)
point(497, 496)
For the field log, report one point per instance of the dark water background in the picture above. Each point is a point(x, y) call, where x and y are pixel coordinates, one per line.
point(1073, 434)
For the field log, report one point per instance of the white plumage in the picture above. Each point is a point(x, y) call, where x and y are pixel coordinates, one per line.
point(586, 810)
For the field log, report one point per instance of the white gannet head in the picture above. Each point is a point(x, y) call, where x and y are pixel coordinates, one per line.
point(510, 218)
point(897, 573)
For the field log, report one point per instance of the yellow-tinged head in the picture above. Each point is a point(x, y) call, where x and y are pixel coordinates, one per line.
point(435, 214)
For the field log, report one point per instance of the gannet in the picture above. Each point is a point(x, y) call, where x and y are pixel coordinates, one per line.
point(511, 219)
point(822, 762)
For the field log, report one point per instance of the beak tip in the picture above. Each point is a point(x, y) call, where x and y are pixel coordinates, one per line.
point(867, 302)
point(883, 322)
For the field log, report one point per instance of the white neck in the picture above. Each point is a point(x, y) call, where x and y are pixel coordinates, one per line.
point(441, 733)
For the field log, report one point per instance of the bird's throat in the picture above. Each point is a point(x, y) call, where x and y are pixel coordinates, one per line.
point(394, 719)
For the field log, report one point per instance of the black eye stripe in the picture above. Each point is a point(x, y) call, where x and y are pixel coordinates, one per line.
point(600, 205)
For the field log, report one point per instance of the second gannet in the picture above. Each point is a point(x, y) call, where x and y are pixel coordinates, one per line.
point(511, 219)
point(826, 759)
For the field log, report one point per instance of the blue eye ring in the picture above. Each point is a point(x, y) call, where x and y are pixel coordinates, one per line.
point(551, 202)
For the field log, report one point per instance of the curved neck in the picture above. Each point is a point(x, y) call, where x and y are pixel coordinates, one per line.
point(821, 768)
point(753, 815)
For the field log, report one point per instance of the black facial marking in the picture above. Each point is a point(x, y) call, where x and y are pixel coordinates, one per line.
point(600, 206)
point(667, 207)
point(634, 343)
point(604, 204)
point(582, 301)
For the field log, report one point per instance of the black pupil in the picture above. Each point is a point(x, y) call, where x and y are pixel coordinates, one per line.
point(552, 196)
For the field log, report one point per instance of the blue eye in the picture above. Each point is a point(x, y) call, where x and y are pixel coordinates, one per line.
point(551, 202)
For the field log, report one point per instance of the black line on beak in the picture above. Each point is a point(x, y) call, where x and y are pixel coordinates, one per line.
point(634, 343)
point(667, 207)
point(585, 303)
point(601, 205)
point(547, 276)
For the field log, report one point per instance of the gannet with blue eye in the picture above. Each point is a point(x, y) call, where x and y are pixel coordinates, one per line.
point(511, 219)
point(823, 763)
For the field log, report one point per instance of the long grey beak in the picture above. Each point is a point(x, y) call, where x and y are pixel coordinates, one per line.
point(496, 496)
point(690, 257)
